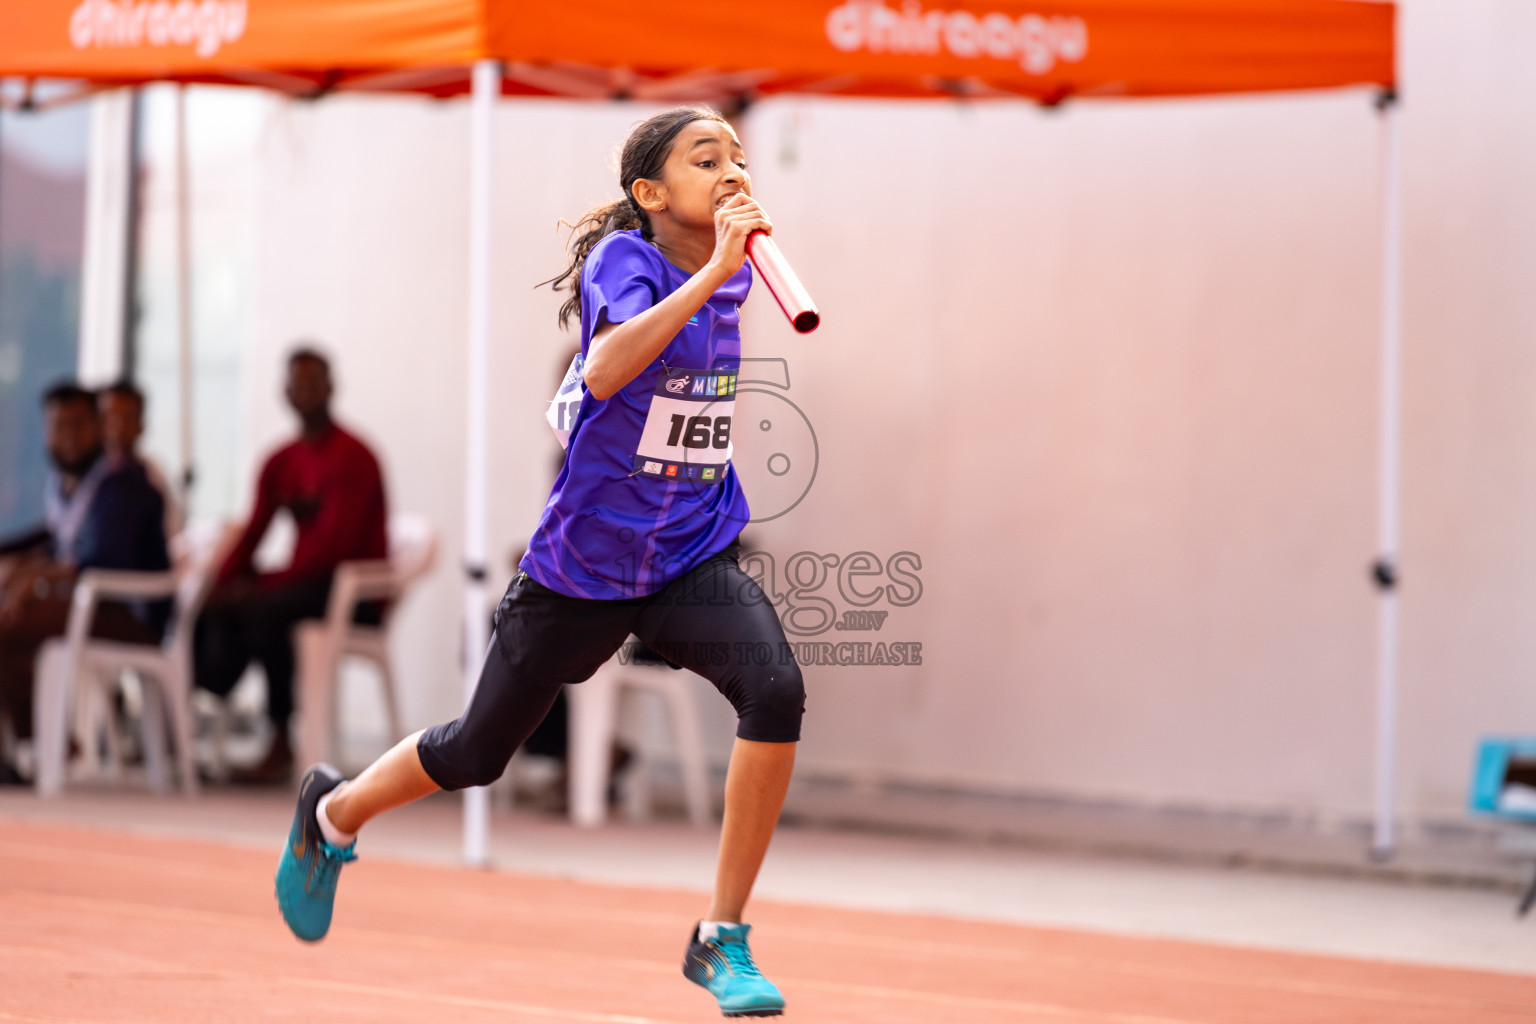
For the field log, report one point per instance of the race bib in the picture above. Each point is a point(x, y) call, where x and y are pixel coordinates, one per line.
point(561, 414)
point(687, 434)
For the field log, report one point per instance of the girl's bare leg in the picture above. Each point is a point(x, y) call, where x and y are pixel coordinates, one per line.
point(394, 779)
point(755, 785)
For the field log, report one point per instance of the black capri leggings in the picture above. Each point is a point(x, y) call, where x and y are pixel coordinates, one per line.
point(713, 620)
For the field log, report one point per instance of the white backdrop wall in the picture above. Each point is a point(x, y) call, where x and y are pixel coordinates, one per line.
point(224, 126)
point(1469, 600)
point(1108, 372)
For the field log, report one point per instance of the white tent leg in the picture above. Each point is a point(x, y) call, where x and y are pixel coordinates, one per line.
point(487, 87)
point(1383, 841)
point(184, 296)
point(105, 261)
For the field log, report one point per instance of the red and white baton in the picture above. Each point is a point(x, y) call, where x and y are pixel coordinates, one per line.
point(775, 271)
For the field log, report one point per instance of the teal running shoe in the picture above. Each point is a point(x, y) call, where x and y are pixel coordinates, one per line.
point(724, 966)
point(309, 866)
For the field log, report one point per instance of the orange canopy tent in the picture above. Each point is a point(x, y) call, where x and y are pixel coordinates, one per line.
point(683, 50)
point(1044, 50)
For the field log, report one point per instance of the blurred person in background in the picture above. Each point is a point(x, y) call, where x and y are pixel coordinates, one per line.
point(98, 514)
point(329, 482)
point(122, 424)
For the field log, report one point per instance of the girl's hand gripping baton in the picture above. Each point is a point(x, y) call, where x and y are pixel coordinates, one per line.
point(781, 280)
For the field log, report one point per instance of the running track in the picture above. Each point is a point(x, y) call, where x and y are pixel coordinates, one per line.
point(107, 927)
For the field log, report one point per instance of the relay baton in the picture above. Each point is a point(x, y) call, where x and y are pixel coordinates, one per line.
point(781, 280)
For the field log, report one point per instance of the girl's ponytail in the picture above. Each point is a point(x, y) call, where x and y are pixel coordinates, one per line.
point(594, 226)
point(644, 156)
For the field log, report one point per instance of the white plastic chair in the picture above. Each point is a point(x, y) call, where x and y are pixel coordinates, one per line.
point(594, 707)
point(82, 669)
point(321, 644)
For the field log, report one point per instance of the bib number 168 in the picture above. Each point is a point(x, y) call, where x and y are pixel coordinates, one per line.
point(700, 432)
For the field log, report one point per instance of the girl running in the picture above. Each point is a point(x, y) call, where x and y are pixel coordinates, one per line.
point(638, 537)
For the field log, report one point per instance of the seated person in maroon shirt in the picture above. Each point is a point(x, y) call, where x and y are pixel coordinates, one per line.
point(330, 483)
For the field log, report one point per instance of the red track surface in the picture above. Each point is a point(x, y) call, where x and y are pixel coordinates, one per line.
point(99, 927)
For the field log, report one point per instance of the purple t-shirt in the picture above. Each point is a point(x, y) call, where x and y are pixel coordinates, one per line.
point(647, 491)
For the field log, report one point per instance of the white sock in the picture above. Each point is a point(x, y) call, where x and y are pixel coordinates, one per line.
point(709, 931)
point(328, 829)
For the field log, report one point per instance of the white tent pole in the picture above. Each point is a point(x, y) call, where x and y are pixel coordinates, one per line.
point(105, 260)
point(184, 295)
point(487, 87)
point(1383, 841)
